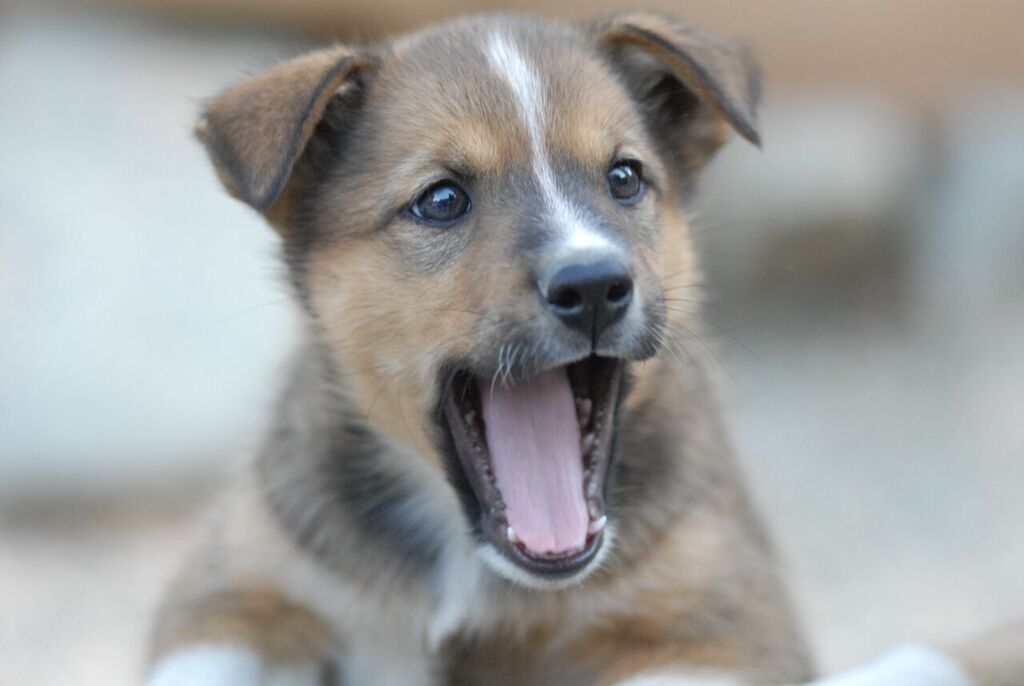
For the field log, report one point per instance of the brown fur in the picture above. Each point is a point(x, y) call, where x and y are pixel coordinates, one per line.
point(275, 627)
point(256, 135)
point(330, 147)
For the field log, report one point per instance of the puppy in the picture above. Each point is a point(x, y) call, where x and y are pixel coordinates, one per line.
point(497, 459)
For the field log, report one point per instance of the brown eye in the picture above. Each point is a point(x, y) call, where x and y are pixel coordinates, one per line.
point(624, 181)
point(442, 203)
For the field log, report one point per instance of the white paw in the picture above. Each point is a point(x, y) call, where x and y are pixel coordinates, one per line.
point(911, 665)
point(227, 665)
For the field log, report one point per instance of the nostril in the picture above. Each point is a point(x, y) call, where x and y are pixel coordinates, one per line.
point(619, 292)
point(565, 298)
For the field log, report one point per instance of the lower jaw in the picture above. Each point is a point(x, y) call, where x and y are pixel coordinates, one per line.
point(545, 580)
point(549, 567)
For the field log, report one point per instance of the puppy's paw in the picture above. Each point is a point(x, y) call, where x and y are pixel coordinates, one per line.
point(910, 665)
point(227, 665)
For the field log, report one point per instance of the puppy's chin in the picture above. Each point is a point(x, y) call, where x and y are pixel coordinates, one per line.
point(510, 571)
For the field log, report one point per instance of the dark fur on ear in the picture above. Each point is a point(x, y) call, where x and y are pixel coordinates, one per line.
point(691, 83)
point(256, 131)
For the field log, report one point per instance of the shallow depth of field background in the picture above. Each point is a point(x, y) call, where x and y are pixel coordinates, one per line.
point(865, 286)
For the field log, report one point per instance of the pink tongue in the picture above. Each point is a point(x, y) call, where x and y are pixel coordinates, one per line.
point(534, 440)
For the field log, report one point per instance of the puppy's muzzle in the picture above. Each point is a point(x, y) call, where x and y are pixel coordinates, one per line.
point(589, 297)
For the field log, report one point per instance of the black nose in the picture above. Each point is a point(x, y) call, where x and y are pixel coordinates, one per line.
point(590, 297)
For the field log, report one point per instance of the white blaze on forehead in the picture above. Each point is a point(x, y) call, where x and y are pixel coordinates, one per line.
point(528, 90)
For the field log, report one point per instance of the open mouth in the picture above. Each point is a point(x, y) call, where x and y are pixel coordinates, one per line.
point(535, 454)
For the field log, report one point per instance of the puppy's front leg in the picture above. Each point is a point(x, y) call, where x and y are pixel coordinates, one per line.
point(911, 665)
point(231, 664)
point(680, 678)
point(239, 638)
point(681, 675)
point(657, 664)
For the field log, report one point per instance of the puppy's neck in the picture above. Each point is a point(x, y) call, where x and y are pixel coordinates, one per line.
point(350, 497)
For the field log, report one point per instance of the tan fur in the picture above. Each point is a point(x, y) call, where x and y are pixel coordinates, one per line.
point(227, 594)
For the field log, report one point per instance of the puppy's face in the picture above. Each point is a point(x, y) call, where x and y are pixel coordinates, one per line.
point(483, 221)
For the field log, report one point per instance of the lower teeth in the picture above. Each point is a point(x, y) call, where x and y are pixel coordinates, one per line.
point(584, 406)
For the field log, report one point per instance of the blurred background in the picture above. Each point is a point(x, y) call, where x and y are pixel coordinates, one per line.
point(865, 286)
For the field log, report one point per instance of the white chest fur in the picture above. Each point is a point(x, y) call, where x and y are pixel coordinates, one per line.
point(393, 640)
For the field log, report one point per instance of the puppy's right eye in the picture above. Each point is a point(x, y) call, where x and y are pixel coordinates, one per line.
point(442, 203)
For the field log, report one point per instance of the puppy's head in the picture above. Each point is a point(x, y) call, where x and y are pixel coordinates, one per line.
point(483, 221)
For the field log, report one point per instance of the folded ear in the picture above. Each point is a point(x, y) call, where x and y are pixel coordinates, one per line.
point(692, 85)
point(256, 131)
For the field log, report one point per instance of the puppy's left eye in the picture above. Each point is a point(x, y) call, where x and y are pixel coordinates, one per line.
point(442, 203)
point(624, 180)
